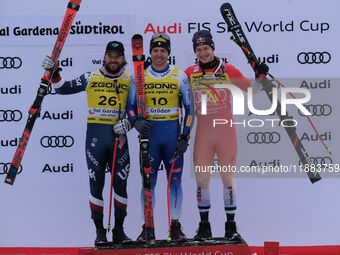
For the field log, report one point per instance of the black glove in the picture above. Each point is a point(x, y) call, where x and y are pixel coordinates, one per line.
point(261, 68)
point(56, 73)
point(182, 144)
point(143, 126)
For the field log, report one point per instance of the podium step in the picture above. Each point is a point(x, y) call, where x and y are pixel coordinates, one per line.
point(216, 246)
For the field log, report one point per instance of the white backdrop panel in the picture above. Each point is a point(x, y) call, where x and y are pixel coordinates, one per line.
point(47, 208)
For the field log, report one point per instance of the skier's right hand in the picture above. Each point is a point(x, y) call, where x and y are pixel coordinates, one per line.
point(143, 126)
point(48, 64)
point(182, 144)
point(122, 126)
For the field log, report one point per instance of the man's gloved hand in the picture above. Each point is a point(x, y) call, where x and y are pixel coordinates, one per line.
point(182, 144)
point(143, 126)
point(48, 64)
point(261, 68)
point(121, 127)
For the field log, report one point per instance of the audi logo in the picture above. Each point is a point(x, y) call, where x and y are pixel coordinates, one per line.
point(318, 109)
point(319, 160)
point(314, 57)
point(56, 141)
point(10, 62)
point(50, 90)
point(10, 115)
point(263, 137)
point(4, 167)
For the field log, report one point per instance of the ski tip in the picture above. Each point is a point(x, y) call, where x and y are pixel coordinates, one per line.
point(225, 6)
point(75, 2)
point(74, 5)
point(137, 37)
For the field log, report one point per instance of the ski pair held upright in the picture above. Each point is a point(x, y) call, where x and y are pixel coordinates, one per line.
point(240, 39)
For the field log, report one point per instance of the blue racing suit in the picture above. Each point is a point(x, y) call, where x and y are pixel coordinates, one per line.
point(162, 91)
point(105, 107)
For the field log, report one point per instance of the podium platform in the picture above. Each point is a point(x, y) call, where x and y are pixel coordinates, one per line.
point(216, 246)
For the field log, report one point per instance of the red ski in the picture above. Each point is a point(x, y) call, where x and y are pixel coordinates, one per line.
point(138, 61)
point(33, 113)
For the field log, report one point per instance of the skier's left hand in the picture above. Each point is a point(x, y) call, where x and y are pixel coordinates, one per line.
point(121, 127)
point(261, 68)
point(48, 64)
point(182, 144)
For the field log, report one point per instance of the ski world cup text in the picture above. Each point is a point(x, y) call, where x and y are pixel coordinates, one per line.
point(238, 106)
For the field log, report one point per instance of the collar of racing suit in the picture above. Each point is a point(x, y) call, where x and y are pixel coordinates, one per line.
point(110, 75)
point(161, 71)
point(208, 65)
point(216, 66)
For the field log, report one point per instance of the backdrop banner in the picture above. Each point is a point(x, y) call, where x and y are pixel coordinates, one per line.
point(48, 204)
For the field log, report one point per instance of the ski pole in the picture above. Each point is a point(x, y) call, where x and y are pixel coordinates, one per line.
point(172, 167)
point(168, 194)
point(278, 82)
point(308, 118)
point(114, 160)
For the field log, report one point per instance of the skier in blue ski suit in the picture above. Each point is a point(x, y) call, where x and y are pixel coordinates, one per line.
point(163, 85)
point(107, 92)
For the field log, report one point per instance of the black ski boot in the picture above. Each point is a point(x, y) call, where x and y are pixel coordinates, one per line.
point(176, 232)
point(142, 237)
point(119, 237)
point(203, 232)
point(101, 236)
point(231, 231)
